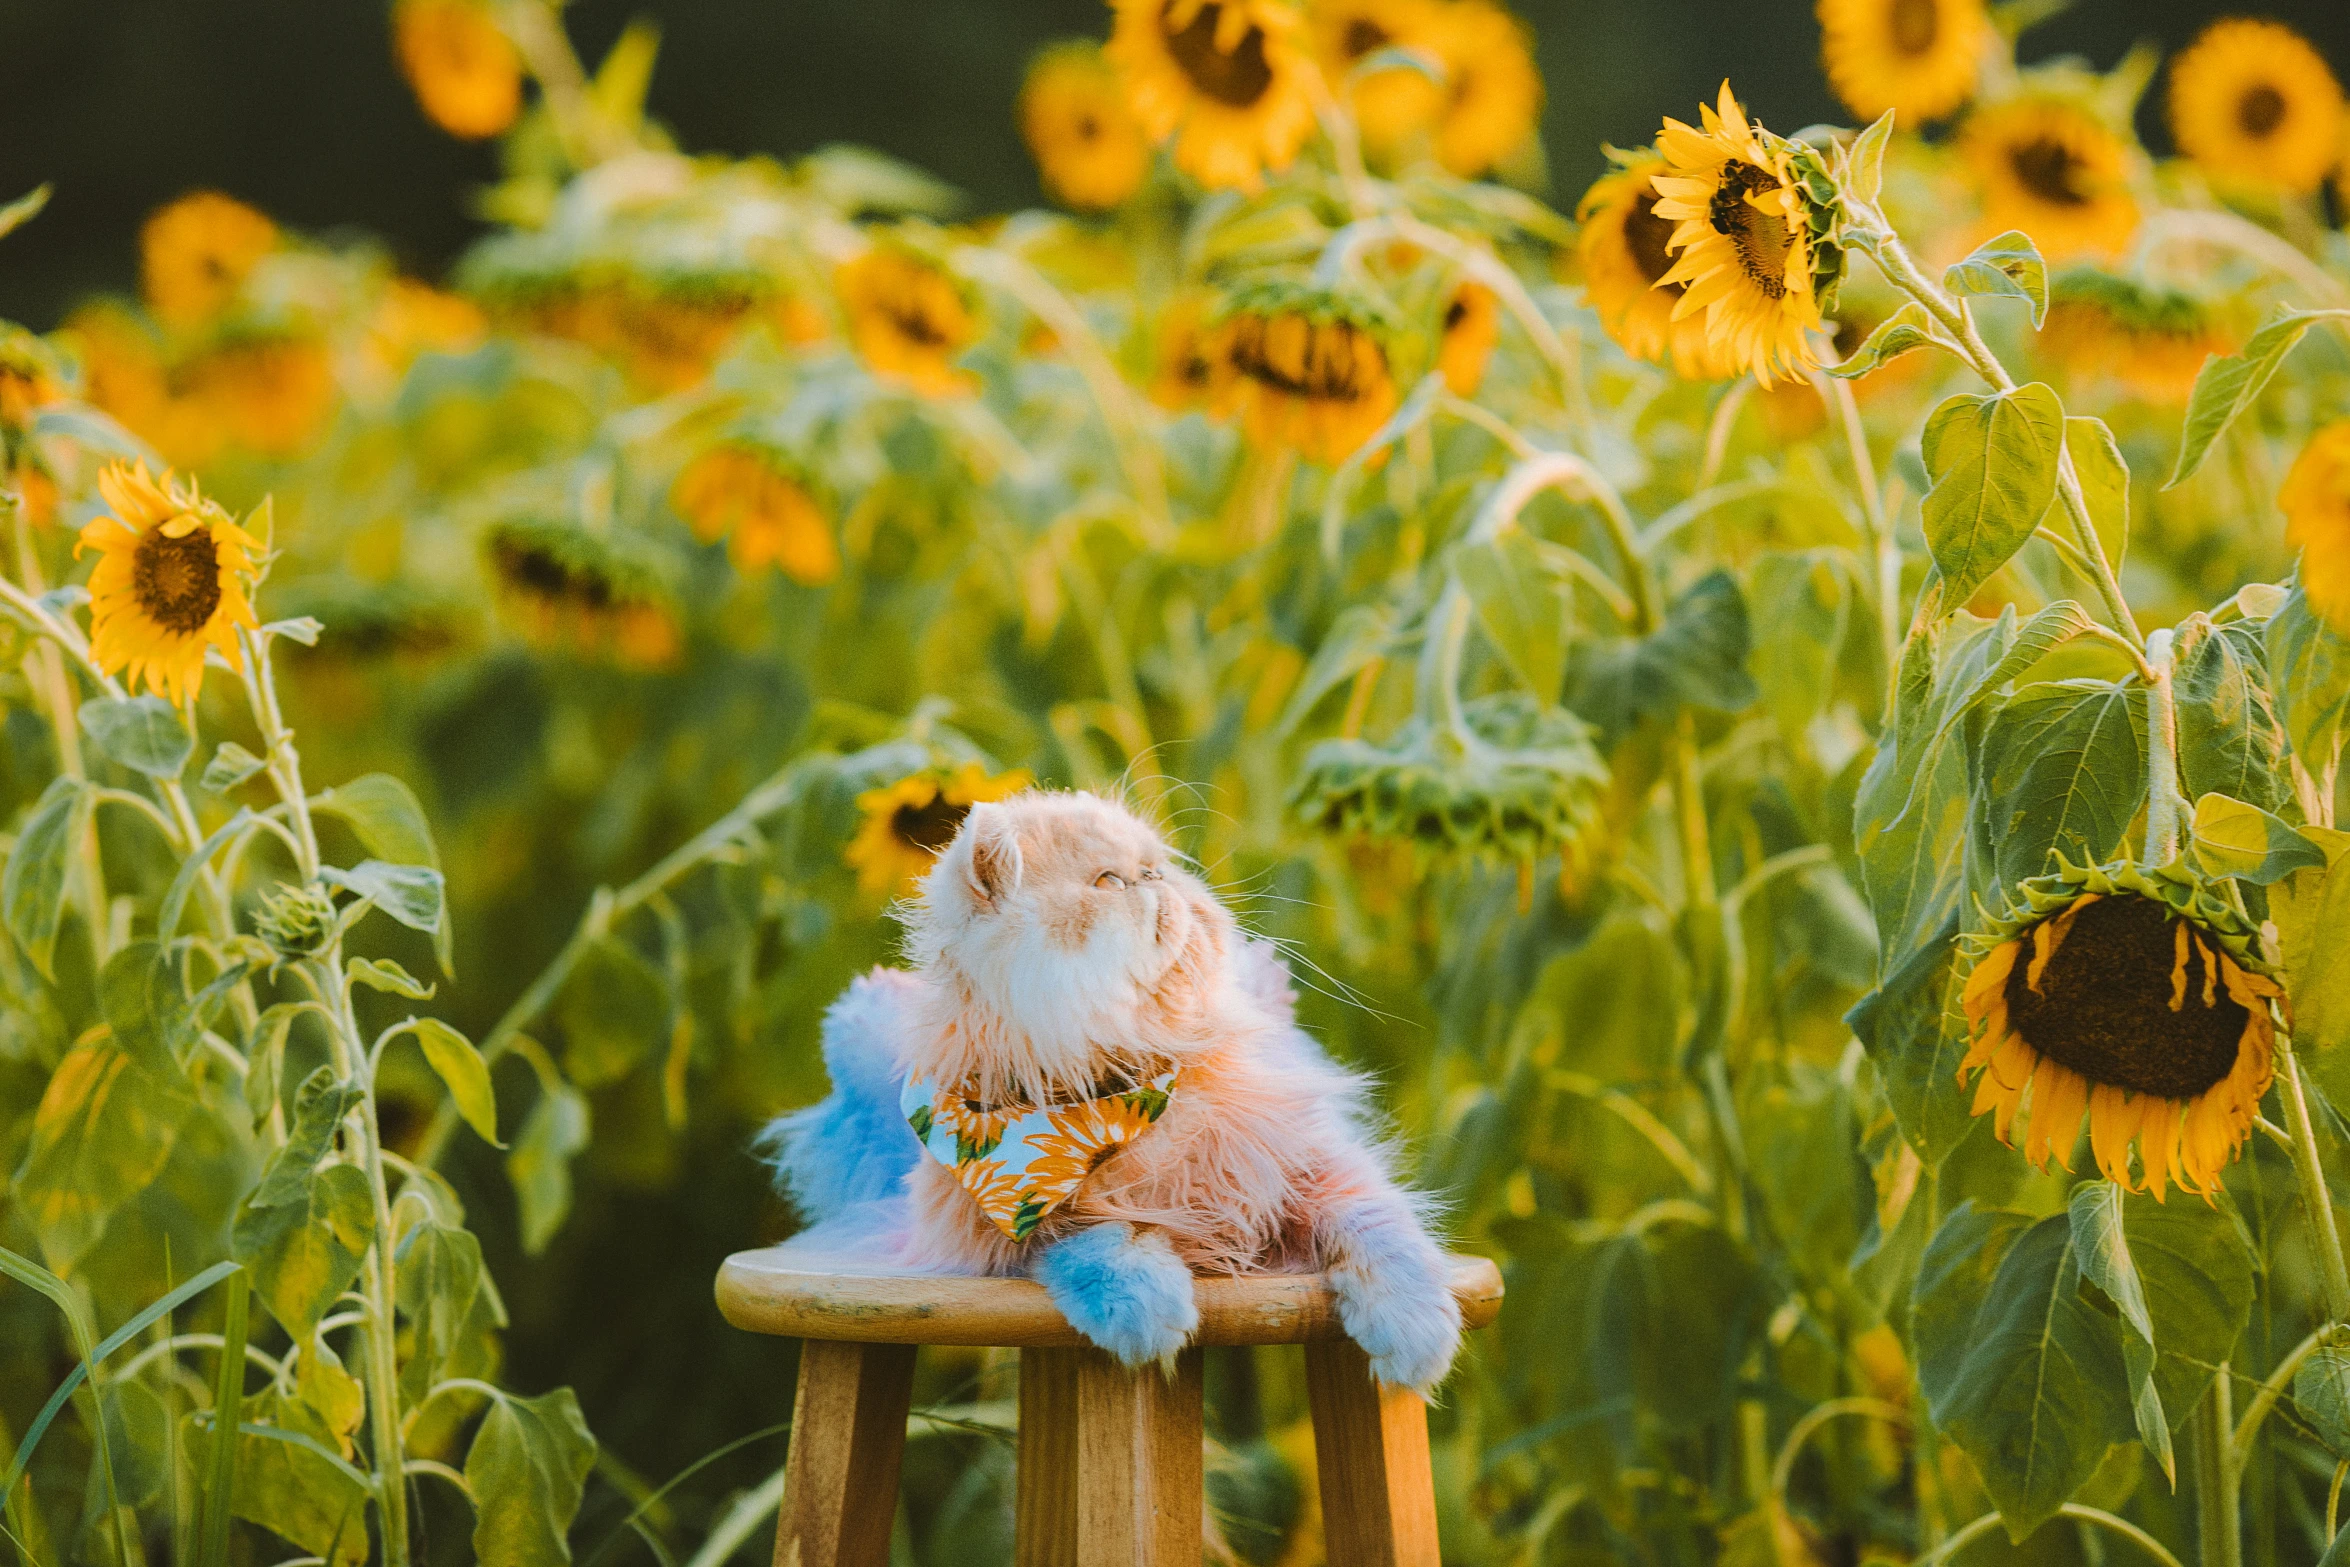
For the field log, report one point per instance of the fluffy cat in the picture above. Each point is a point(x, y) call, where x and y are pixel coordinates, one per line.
point(1059, 946)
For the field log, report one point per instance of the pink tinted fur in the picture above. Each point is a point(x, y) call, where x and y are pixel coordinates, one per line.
point(1262, 1160)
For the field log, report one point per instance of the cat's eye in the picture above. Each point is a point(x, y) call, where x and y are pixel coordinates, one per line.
point(1109, 879)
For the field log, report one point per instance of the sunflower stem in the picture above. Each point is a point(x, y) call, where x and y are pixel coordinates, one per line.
point(2163, 804)
point(2311, 1173)
point(2219, 1532)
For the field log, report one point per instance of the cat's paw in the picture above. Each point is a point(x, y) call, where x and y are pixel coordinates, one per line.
point(1124, 1289)
point(1407, 1322)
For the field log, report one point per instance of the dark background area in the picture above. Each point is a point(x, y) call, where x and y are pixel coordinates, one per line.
point(295, 104)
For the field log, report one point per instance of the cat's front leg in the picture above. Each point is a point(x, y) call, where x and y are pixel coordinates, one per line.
point(1124, 1289)
point(1394, 1297)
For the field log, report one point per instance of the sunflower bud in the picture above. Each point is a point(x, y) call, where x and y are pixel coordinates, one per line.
point(296, 922)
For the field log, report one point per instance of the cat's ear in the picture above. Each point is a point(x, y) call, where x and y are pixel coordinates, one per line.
point(994, 867)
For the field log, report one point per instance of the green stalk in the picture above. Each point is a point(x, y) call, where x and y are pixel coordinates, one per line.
point(2219, 1533)
point(2310, 1172)
point(228, 1408)
point(2163, 803)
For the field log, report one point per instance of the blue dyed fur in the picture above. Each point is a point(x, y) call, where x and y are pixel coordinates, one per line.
point(1393, 1299)
point(852, 1146)
point(1124, 1289)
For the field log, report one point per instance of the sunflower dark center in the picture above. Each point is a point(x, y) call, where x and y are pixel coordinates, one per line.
point(1239, 78)
point(929, 827)
point(2261, 110)
point(1761, 238)
point(914, 323)
point(1088, 127)
point(2103, 1006)
point(1363, 36)
point(2049, 170)
point(177, 581)
point(1915, 24)
point(1325, 371)
point(1649, 238)
point(1455, 313)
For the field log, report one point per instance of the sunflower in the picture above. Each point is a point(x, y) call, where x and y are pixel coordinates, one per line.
point(909, 822)
point(2134, 996)
point(743, 493)
point(2316, 502)
point(2151, 338)
point(465, 71)
point(2052, 168)
point(1227, 79)
point(1625, 254)
point(1750, 243)
point(412, 318)
point(1395, 104)
point(1492, 91)
point(907, 318)
point(1081, 1141)
point(1916, 57)
point(1089, 150)
point(1472, 325)
point(170, 581)
point(1303, 369)
point(570, 586)
point(197, 252)
point(2256, 106)
point(269, 394)
point(1182, 372)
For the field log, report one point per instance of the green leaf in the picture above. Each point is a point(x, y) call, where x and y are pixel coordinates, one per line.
point(540, 1165)
point(2310, 668)
point(2225, 387)
point(1864, 159)
point(2009, 265)
point(143, 733)
point(1359, 635)
point(304, 1231)
point(1523, 606)
point(1673, 1311)
point(1992, 460)
point(2321, 1387)
point(1697, 658)
point(1801, 605)
point(614, 1008)
point(183, 881)
point(390, 821)
point(2311, 909)
point(451, 1306)
point(1906, 329)
point(2105, 483)
point(2231, 838)
point(106, 1126)
point(461, 1067)
point(410, 894)
point(2063, 771)
point(1914, 1032)
point(290, 1482)
point(32, 884)
point(2230, 740)
point(24, 209)
point(528, 1467)
point(228, 1412)
point(2101, 1243)
point(230, 766)
point(385, 975)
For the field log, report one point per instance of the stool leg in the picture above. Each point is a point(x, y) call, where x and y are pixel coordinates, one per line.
point(848, 1431)
point(1110, 1462)
point(1371, 1445)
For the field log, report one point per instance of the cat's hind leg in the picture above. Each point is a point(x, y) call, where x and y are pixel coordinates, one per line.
point(1124, 1289)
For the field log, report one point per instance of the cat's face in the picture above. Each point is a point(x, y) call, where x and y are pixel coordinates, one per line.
point(1070, 917)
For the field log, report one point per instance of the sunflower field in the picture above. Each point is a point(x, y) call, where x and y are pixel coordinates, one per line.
point(1787, 706)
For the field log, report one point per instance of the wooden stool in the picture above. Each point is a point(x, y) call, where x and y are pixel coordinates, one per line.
point(1110, 1459)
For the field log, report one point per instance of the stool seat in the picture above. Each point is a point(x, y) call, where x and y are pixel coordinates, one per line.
point(798, 1294)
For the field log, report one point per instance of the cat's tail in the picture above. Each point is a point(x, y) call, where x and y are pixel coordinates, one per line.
point(852, 1146)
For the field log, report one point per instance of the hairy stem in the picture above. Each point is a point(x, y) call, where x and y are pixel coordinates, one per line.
point(2310, 1172)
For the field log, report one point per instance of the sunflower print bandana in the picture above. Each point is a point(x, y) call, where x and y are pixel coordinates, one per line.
point(1021, 1161)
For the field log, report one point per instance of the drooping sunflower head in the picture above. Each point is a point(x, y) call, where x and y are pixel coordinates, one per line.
point(1090, 151)
point(1303, 368)
point(413, 318)
point(763, 505)
point(1918, 58)
point(195, 254)
point(2137, 997)
point(1755, 236)
point(585, 589)
point(2316, 502)
point(1395, 101)
point(908, 823)
point(1227, 79)
point(2050, 166)
point(907, 317)
point(2149, 337)
point(1625, 252)
point(173, 579)
point(1492, 93)
point(2256, 106)
point(267, 392)
point(464, 70)
point(30, 376)
point(1467, 334)
point(1181, 372)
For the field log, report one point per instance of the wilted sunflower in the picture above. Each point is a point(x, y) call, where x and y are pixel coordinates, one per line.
point(1624, 252)
point(195, 253)
point(1492, 93)
point(1916, 57)
point(2316, 502)
point(1302, 368)
point(1228, 79)
point(584, 589)
point(909, 822)
point(1181, 373)
point(170, 581)
point(749, 496)
point(907, 318)
point(2256, 106)
point(2137, 997)
point(2150, 338)
point(2052, 168)
point(1393, 104)
point(1089, 149)
point(465, 71)
point(1472, 325)
point(1756, 248)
